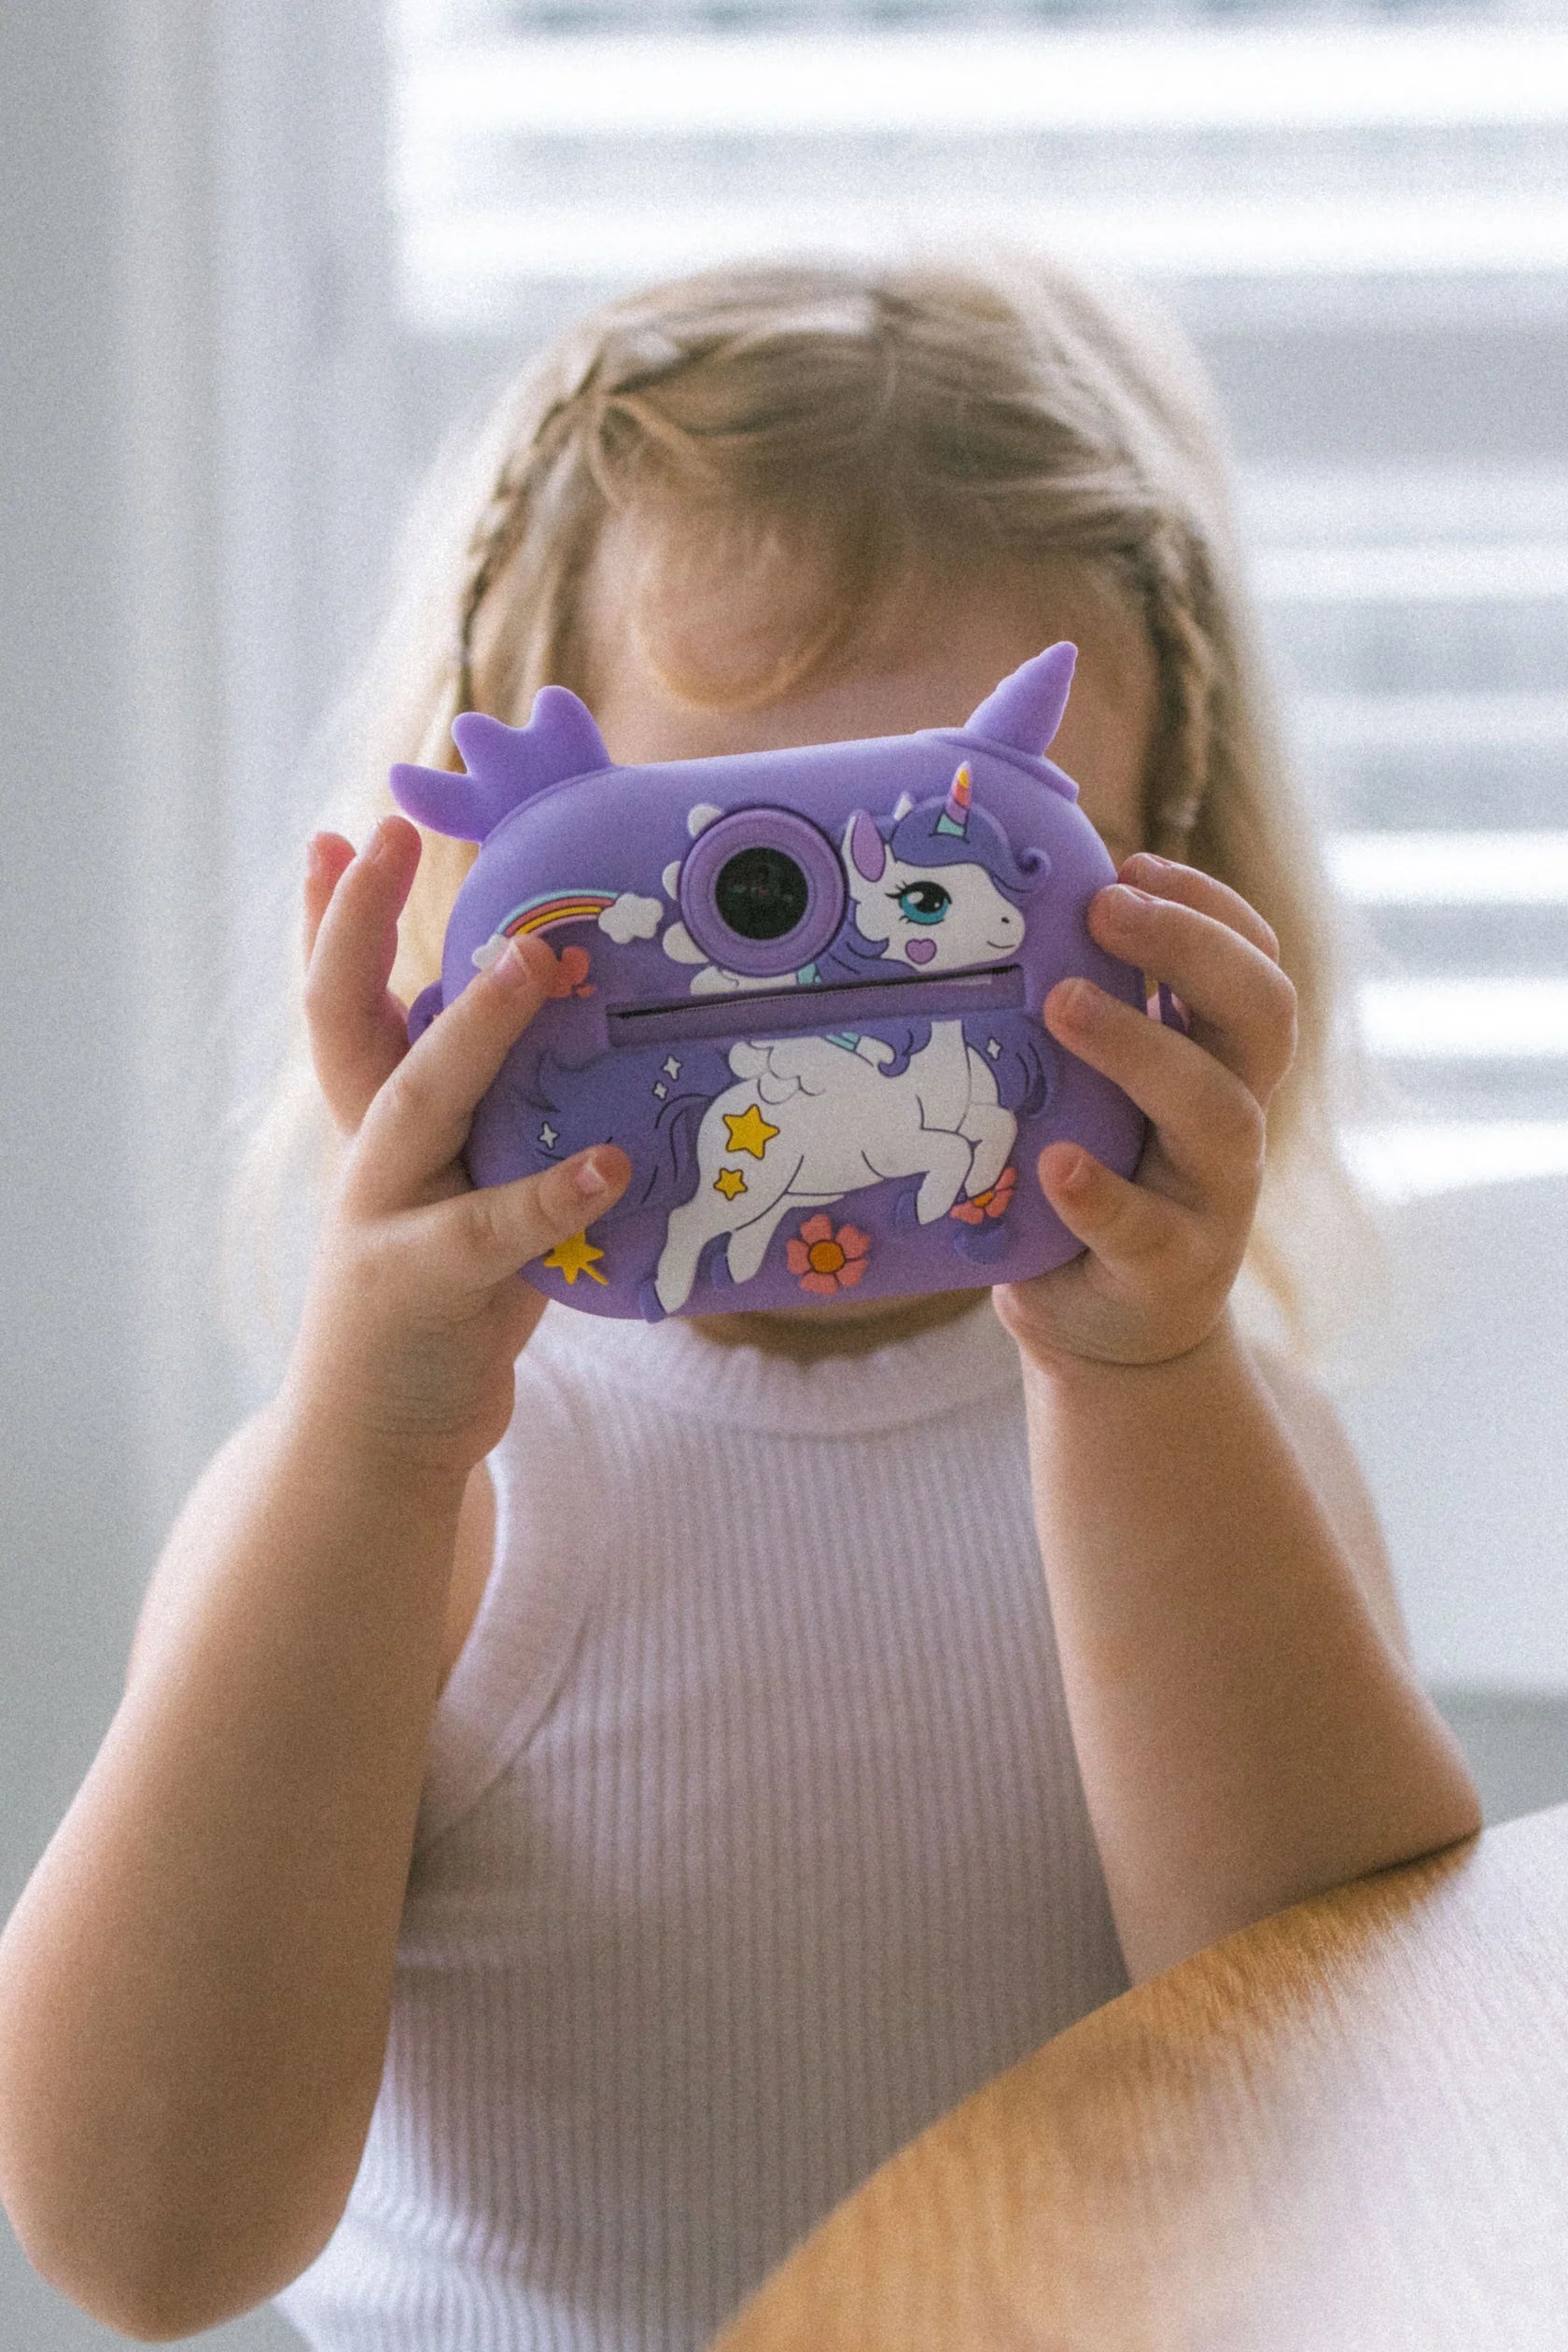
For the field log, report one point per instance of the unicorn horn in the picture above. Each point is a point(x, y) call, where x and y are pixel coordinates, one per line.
point(955, 813)
point(1026, 710)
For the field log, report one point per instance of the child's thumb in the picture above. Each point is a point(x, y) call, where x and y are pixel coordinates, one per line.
point(505, 1226)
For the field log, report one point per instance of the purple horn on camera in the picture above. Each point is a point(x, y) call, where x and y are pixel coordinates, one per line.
point(1025, 710)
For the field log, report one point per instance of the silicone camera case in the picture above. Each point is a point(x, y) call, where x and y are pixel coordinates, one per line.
point(800, 988)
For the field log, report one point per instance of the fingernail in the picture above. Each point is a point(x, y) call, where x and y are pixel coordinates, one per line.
point(589, 1179)
point(509, 967)
point(1123, 891)
point(1079, 999)
point(1074, 1179)
point(378, 843)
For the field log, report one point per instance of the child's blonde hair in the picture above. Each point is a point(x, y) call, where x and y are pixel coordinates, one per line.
point(881, 424)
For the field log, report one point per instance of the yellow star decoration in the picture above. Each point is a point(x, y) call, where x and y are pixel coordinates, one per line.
point(729, 1182)
point(750, 1132)
point(574, 1257)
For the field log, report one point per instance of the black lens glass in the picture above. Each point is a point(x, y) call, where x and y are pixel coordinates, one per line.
point(761, 894)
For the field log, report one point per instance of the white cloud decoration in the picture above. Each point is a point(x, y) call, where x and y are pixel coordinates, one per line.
point(631, 918)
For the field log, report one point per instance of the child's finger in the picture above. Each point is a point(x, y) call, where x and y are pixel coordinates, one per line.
point(327, 861)
point(419, 1122)
point(1242, 1006)
point(355, 939)
point(1189, 886)
point(1209, 1122)
point(1131, 1230)
point(358, 1033)
point(483, 1236)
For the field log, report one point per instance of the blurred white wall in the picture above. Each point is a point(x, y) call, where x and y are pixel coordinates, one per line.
point(116, 1380)
point(67, 1455)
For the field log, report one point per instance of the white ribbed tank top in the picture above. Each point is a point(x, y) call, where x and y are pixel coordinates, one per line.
point(753, 1839)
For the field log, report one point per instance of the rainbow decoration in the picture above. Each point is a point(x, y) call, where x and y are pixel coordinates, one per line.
point(555, 908)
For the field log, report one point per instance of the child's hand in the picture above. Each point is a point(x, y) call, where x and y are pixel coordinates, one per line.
point(416, 1316)
point(1163, 1251)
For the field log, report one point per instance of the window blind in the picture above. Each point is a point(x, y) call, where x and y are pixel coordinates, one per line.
point(1364, 221)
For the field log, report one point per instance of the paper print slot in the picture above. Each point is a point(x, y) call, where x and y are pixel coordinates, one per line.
point(788, 1012)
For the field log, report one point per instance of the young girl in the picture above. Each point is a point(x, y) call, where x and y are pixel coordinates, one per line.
point(586, 1794)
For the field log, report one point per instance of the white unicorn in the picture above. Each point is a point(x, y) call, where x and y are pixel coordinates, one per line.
point(811, 1118)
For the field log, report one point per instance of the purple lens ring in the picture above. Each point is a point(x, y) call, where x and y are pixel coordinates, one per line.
point(790, 836)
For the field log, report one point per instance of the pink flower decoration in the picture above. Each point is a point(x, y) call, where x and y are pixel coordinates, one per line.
point(987, 1204)
point(827, 1261)
point(571, 975)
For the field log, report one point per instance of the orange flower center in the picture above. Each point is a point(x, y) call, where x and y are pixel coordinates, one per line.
point(826, 1257)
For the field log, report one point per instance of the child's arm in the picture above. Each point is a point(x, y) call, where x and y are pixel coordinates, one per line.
point(1247, 1725)
point(1326, 1455)
point(195, 1987)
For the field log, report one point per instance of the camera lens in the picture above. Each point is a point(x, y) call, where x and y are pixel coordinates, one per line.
point(761, 894)
point(763, 891)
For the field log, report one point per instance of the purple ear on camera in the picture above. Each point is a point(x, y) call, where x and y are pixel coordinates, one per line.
point(1026, 710)
point(506, 765)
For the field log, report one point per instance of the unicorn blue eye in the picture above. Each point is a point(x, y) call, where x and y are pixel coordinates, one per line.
point(924, 902)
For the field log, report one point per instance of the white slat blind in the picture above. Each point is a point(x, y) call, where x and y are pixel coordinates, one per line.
point(1365, 224)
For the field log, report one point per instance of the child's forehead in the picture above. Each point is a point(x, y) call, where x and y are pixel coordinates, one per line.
point(935, 656)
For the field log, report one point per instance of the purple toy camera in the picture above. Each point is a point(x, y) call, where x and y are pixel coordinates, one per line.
point(800, 988)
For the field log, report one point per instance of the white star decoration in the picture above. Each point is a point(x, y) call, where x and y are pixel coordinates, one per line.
point(547, 1135)
point(992, 1047)
point(661, 1092)
point(672, 1068)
